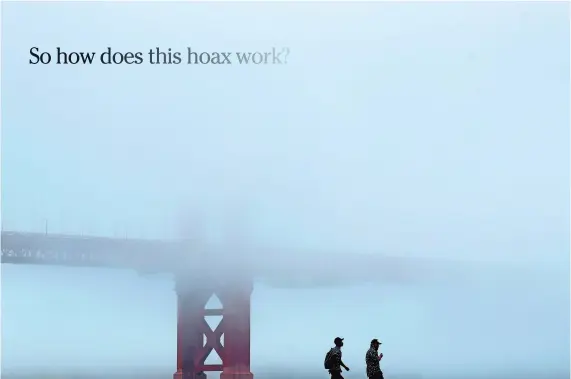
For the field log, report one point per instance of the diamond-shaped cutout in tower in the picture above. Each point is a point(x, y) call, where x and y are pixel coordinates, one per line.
point(213, 321)
point(213, 358)
point(213, 303)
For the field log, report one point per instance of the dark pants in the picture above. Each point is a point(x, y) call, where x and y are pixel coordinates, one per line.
point(336, 374)
point(378, 375)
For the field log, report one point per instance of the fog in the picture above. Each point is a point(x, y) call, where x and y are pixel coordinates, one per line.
point(428, 133)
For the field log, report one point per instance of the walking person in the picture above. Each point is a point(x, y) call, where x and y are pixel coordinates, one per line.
point(333, 361)
point(373, 360)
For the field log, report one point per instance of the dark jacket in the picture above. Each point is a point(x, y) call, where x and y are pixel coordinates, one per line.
point(372, 361)
point(335, 359)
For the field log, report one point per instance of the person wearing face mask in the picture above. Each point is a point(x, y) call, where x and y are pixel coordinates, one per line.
point(333, 361)
point(373, 360)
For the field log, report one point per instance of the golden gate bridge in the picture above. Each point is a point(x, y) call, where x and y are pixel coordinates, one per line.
point(199, 275)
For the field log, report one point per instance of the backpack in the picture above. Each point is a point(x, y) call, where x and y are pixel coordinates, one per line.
point(327, 362)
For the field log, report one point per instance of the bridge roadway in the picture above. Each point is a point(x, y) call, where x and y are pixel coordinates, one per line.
point(273, 267)
point(276, 268)
point(73, 250)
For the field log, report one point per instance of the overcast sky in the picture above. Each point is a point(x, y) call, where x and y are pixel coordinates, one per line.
point(434, 130)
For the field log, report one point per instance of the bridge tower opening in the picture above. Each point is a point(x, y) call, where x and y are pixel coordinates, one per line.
point(229, 339)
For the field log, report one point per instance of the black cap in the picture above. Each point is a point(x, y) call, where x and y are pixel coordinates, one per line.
point(375, 341)
point(338, 340)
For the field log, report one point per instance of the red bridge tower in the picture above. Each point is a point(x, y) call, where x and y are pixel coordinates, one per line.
point(196, 340)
